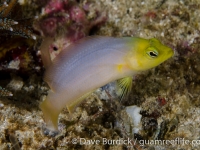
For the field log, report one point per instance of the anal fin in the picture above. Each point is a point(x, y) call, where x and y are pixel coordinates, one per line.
point(71, 107)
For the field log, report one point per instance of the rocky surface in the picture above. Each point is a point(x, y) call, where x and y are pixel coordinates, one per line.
point(168, 95)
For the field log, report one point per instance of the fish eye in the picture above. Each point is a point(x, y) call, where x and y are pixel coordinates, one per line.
point(55, 48)
point(152, 53)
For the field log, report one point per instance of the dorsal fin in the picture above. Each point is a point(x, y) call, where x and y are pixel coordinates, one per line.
point(45, 54)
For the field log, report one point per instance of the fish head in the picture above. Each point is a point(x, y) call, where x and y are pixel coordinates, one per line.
point(148, 53)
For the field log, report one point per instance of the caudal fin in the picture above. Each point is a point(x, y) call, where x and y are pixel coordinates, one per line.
point(50, 114)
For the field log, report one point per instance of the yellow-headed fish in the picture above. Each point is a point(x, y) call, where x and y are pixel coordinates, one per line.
point(93, 62)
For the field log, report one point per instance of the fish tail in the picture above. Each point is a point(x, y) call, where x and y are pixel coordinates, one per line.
point(50, 114)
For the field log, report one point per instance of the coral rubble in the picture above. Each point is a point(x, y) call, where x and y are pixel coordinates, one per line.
point(168, 95)
point(13, 26)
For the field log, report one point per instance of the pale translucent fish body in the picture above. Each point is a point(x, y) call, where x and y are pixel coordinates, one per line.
point(88, 65)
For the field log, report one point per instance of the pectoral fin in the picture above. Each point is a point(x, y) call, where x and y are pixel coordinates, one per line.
point(125, 86)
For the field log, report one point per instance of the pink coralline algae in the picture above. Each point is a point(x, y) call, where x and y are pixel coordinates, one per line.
point(67, 21)
point(55, 6)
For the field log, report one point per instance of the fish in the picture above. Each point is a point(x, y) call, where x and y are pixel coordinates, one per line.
point(91, 63)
